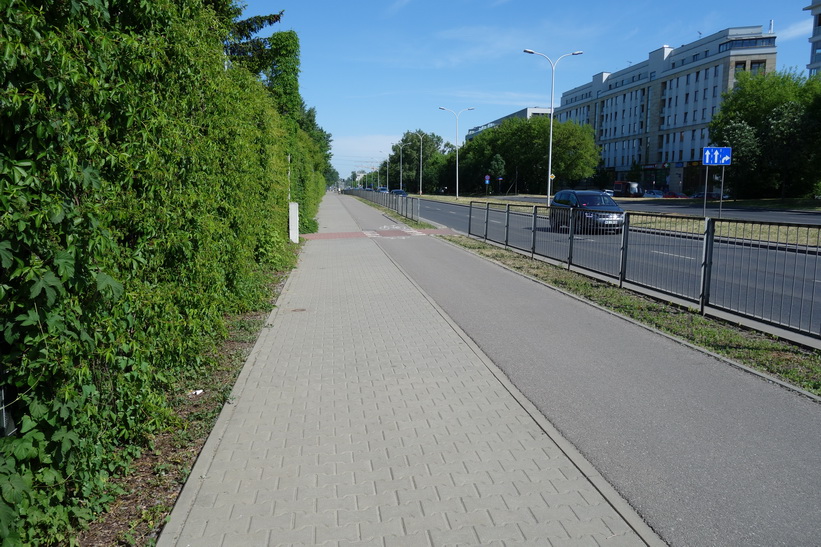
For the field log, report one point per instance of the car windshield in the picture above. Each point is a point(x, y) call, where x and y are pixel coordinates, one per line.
point(596, 200)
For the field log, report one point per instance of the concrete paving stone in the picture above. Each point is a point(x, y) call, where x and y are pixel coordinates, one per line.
point(251, 509)
point(463, 536)
point(580, 528)
point(557, 499)
point(511, 516)
point(315, 518)
point(439, 479)
point(418, 539)
point(588, 541)
point(406, 510)
point(374, 542)
point(453, 505)
point(385, 499)
point(461, 491)
point(268, 490)
point(496, 489)
point(283, 507)
point(381, 529)
point(465, 520)
point(217, 527)
point(270, 522)
point(475, 503)
point(425, 523)
point(544, 475)
point(381, 475)
point(303, 536)
point(322, 491)
point(491, 533)
point(410, 471)
point(617, 524)
point(411, 495)
point(545, 514)
point(622, 540)
point(546, 531)
point(370, 514)
point(363, 488)
point(339, 479)
point(480, 477)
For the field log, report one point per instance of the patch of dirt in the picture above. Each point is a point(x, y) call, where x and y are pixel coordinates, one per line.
point(155, 480)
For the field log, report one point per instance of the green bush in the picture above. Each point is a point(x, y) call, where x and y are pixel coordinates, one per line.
point(143, 193)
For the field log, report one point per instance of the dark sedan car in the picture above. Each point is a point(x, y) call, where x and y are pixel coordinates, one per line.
point(592, 211)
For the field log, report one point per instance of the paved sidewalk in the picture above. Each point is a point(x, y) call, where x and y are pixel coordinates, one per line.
point(365, 416)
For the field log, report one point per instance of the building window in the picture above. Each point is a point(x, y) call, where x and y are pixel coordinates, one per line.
point(740, 66)
point(757, 66)
point(715, 91)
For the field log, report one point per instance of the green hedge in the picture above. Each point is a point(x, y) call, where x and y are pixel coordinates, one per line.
point(143, 193)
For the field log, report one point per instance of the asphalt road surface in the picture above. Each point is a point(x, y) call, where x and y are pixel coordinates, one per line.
point(706, 453)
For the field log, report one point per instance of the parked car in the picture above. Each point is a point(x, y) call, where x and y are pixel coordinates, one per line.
point(398, 192)
point(382, 190)
point(653, 194)
point(627, 189)
point(674, 195)
point(608, 192)
point(592, 211)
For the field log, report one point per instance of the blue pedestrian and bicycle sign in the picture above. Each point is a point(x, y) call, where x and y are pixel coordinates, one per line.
point(717, 155)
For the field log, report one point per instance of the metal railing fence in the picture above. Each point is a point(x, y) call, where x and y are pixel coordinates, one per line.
point(767, 272)
point(406, 206)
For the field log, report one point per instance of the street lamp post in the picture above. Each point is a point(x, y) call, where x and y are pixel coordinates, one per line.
point(457, 142)
point(552, 92)
point(401, 145)
point(419, 134)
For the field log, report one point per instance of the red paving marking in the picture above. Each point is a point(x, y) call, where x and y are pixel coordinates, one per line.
point(380, 233)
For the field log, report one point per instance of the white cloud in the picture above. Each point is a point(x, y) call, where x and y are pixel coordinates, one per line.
point(802, 30)
point(355, 152)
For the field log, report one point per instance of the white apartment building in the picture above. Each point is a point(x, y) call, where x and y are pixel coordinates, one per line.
point(525, 113)
point(655, 113)
point(815, 40)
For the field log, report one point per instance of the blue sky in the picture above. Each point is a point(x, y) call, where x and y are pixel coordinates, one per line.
point(374, 69)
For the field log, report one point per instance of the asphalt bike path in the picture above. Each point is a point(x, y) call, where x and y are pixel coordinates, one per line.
point(366, 416)
point(708, 454)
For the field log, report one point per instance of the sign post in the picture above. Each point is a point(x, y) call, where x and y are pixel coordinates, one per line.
point(715, 155)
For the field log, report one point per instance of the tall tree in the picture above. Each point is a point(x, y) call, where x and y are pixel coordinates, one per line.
point(772, 125)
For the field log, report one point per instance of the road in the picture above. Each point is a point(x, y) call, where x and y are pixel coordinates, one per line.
point(706, 453)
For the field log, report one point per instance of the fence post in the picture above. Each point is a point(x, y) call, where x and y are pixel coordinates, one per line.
point(570, 231)
point(487, 215)
point(507, 222)
point(625, 230)
point(470, 216)
point(706, 263)
point(533, 232)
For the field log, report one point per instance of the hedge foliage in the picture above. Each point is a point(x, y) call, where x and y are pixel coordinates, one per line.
point(143, 193)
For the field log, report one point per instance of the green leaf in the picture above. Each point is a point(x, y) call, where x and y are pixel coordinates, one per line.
point(6, 258)
point(109, 286)
point(14, 488)
point(49, 283)
point(64, 261)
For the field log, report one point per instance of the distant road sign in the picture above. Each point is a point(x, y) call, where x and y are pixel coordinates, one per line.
point(717, 155)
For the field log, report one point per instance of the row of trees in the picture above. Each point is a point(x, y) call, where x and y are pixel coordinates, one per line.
point(515, 152)
point(771, 120)
point(773, 123)
point(147, 153)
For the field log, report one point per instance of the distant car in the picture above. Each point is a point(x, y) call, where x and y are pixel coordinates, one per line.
point(608, 192)
point(596, 211)
point(398, 192)
point(382, 190)
point(674, 195)
point(653, 194)
point(368, 189)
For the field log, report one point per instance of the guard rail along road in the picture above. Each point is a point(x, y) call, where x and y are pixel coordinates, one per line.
point(762, 275)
